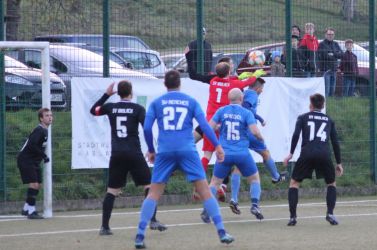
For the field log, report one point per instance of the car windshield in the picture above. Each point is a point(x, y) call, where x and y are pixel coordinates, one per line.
point(170, 61)
point(81, 58)
point(13, 63)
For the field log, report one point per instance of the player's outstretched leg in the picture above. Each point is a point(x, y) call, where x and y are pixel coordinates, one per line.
point(235, 184)
point(292, 200)
point(255, 191)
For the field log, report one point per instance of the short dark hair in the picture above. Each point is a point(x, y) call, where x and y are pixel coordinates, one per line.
point(124, 88)
point(317, 101)
point(329, 28)
point(41, 111)
point(259, 82)
point(172, 79)
point(225, 59)
point(222, 69)
point(348, 41)
point(297, 27)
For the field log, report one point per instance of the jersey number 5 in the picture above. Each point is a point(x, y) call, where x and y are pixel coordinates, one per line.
point(169, 117)
point(320, 133)
point(121, 128)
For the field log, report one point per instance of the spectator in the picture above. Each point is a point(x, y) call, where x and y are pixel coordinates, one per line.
point(329, 52)
point(297, 62)
point(348, 66)
point(191, 55)
point(309, 45)
point(277, 68)
point(295, 31)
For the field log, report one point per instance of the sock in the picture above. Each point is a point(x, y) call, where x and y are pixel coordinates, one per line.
point(26, 207)
point(331, 199)
point(146, 191)
point(212, 208)
point(293, 200)
point(236, 181)
point(271, 167)
point(255, 191)
point(31, 199)
point(147, 210)
point(107, 208)
point(205, 162)
point(213, 191)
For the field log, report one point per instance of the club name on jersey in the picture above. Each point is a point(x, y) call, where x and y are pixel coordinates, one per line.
point(232, 116)
point(221, 84)
point(122, 111)
point(318, 117)
point(175, 102)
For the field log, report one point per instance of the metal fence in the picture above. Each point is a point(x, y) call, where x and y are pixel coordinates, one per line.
point(165, 28)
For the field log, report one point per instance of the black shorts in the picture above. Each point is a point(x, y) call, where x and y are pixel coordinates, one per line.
point(30, 171)
point(199, 131)
point(134, 163)
point(314, 158)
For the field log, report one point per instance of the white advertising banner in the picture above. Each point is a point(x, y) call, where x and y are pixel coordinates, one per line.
point(282, 100)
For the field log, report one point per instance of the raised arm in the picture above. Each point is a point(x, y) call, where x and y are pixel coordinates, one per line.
point(96, 108)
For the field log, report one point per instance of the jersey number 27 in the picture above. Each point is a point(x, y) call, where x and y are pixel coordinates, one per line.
point(169, 117)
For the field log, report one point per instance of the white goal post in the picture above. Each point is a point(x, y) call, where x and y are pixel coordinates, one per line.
point(46, 103)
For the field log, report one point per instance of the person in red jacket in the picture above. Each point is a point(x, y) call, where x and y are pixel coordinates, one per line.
point(309, 44)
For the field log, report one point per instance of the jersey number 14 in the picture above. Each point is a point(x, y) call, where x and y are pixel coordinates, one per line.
point(321, 133)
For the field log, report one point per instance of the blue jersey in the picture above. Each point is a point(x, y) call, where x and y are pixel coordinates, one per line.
point(235, 121)
point(174, 112)
point(250, 102)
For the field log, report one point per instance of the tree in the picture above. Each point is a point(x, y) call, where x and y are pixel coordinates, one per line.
point(12, 19)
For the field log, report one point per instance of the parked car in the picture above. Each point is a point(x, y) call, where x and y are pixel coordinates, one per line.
point(68, 61)
point(365, 45)
point(178, 61)
point(362, 54)
point(147, 61)
point(112, 56)
point(23, 87)
point(117, 41)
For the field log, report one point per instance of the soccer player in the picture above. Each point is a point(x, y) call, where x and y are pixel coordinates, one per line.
point(28, 162)
point(218, 97)
point(250, 102)
point(316, 128)
point(235, 124)
point(126, 155)
point(174, 112)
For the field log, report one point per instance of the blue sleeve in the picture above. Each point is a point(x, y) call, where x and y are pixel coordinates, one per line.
point(207, 130)
point(250, 119)
point(148, 124)
point(216, 117)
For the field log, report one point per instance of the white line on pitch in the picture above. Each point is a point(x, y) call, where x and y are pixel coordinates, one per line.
point(171, 225)
point(313, 204)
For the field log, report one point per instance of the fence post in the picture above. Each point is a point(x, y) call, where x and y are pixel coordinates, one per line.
point(199, 35)
point(372, 82)
point(106, 48)
point(2, 111)
point(288, 43)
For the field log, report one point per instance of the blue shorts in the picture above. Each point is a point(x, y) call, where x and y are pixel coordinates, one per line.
point(186, 161)
point(256, 145)
point(244, 162)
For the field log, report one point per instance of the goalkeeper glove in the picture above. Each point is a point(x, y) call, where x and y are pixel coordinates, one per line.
point(258, 73)
point(245, 75)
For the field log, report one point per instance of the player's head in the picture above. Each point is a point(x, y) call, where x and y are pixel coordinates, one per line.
point(258, 85)
point(124, 89)
point(222, 69)
point(227, 60)
point(235, 96)
point(172, 79)
point(317, 101)
point(45, 116)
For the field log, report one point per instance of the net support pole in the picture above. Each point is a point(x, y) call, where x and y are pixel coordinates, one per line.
point(372, 80)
